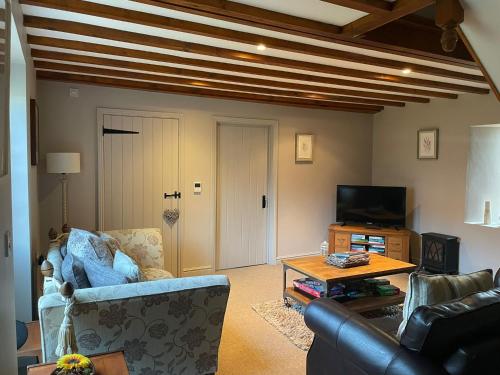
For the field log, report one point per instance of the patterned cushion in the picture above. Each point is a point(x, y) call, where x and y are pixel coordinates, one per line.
point(73, 272)
point(112, 243)
point(102, 275)
point(89, 246)
point(127, 267)
point(426, 289)
point(150, 274)
point(142, 245)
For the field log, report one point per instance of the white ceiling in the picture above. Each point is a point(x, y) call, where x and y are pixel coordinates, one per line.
point(482, 28)
point(313, 9)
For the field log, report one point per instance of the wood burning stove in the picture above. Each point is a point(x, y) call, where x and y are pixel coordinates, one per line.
point(439, 253)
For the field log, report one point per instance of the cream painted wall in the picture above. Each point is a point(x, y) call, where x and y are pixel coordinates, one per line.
point(436, 199)
point(306, 192)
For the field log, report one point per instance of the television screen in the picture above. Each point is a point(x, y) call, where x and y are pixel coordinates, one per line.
point(375, 205)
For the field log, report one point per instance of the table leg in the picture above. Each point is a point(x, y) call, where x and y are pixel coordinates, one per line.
point(285, 298)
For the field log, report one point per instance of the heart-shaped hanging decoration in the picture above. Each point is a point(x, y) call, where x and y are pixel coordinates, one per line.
point(171, 216)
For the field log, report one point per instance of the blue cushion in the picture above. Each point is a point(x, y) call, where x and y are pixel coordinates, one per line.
point(73, 272)
point(102, 275)
point(127, 267)
point(85, 245)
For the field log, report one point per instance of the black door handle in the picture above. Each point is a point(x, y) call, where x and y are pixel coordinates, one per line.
point(176, 195)
point(264, 201)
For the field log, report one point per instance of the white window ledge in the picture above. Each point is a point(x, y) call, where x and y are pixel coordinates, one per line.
point(483, 225)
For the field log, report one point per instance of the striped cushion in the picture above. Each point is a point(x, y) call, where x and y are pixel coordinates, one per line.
point(424, 289)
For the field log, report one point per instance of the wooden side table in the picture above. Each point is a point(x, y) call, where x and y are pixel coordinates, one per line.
point(105, 364)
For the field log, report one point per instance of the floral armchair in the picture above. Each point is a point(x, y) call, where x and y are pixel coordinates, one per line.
point(164, 326)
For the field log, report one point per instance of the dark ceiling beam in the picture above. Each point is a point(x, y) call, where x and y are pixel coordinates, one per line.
point(249, 15)
point(370, 22)
point(418, 33)
point(227, 67)
point(262, 18)
point(134, 75)
point(160, 42)
point(367, 6)
point(154, 20)
point(377, 98)
point(202, 92)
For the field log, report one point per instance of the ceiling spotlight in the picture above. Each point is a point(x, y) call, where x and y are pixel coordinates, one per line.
point(406, 71)
point(261, 47)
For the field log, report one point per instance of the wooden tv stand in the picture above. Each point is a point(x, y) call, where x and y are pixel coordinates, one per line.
point(396, 241)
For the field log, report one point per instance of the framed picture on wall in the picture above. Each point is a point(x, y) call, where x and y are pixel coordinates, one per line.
point(304, 148)
point(34, 141)
point(427, 143)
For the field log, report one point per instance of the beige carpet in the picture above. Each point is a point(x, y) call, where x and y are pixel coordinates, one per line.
point(250, 345)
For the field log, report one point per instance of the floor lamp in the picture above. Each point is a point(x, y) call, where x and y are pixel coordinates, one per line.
point(63, 163)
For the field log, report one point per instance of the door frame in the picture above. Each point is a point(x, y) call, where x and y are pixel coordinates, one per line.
point(101, 111)
point(272, 181)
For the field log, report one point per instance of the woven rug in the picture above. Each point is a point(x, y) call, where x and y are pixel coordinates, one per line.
point(290, 320)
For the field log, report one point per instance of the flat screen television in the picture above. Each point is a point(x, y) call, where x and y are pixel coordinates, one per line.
point(371, 205)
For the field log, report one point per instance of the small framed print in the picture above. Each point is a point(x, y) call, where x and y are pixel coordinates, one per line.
point(304, 148)
point(428, 142)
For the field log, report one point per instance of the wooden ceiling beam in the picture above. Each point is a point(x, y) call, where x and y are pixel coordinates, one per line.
point(418, 33)
point(367, 6)
point(227, 67)
point(202, 92)
point(370, 22)
point(249, 15)
point(350, 95)
point(148, 19)
point(134, 75)
point(243, 14)
point(166, 43)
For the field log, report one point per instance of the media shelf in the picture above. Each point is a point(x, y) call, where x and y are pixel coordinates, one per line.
point(393, 243)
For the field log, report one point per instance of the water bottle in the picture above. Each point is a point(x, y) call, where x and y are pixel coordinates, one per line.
point(324, 248)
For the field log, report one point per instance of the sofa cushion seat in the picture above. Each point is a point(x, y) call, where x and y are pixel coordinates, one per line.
point(150, 274)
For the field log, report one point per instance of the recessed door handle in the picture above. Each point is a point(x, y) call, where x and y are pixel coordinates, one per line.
point(264, 201)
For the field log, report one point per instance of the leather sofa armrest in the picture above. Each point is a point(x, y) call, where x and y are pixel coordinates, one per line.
point(357, 341)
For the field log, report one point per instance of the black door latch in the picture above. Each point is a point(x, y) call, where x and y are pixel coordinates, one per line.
point(176, 195)
point(264, 201)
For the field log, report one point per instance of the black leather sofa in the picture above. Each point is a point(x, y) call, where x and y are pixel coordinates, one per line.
point(461, 337)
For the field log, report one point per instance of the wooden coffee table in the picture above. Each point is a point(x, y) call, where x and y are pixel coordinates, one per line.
point(316, 268)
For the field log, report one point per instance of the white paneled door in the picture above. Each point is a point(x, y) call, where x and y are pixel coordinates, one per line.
point(242, 181)
point(137, 170)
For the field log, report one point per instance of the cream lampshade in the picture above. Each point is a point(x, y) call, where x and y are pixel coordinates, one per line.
point(63, 163)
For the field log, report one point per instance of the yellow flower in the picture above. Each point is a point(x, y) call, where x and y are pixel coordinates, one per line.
point(73, 361)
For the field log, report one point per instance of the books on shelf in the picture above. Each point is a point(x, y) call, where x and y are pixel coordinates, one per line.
point(376, 239)
point(387, 290)
point(309, 286)
point(376, 249)
point(355, 247)
point(358, 238)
